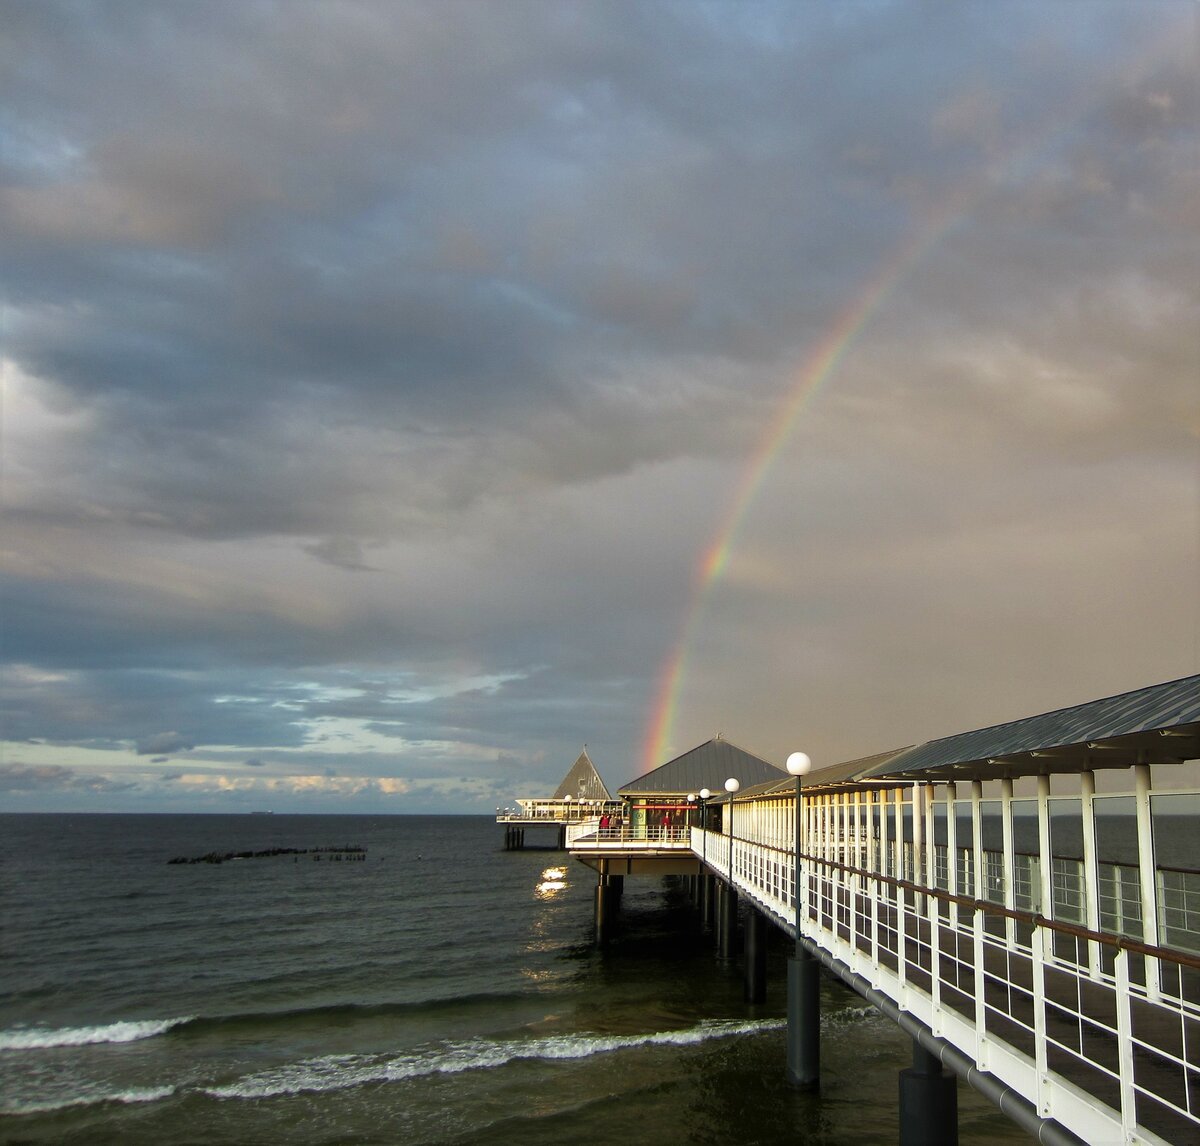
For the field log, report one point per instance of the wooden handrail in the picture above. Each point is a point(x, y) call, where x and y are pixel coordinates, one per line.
point(1027, 917)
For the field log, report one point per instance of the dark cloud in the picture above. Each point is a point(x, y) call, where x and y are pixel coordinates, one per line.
point(494, 303)
point(171, 742)
point(344, 552)
point(20, 778)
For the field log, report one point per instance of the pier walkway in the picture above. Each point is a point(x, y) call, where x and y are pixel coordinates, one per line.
point(1024, 900)
point(582, 797)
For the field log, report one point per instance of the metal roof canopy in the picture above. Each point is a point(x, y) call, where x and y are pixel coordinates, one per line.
point(708, 765)
point(582, 782)
point(1159, 724)
point(851, 773)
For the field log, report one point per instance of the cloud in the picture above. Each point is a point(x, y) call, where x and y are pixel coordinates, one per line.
point(344, 552)
point(54, 778)
point(169, 742)
point(501, 310)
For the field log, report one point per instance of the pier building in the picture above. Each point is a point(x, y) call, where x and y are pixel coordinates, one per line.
point(1023, 900)
point(582, 797)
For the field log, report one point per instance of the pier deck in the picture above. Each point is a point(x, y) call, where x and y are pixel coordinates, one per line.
point(1023, 900)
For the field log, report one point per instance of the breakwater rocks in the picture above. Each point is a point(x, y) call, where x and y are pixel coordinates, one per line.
point(347, 853)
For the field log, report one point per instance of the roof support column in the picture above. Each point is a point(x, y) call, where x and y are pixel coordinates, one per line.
point(1045, 859)
point(1091, 881)
point(927, 813)
point(979, 875)
point(952, 849)
point(1010, 867)
point(1141, 792)
point(871, 802)
point(918, 828)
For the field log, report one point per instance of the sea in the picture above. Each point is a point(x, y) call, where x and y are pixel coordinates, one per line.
point(410, 982)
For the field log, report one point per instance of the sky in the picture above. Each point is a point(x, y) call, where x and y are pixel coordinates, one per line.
point(399, 396)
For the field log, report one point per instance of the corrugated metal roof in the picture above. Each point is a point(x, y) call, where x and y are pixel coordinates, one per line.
point(1067, 739)
point(849, 772)
point(852, 770)
point(708, 765)
point(582, 782)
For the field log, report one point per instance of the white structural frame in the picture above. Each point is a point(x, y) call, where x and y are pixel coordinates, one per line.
point(1093, 1016)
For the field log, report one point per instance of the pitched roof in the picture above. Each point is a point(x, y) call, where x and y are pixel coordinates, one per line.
point(1161, 722)
point(848, 772)
point(582, 782)
point(708, 765)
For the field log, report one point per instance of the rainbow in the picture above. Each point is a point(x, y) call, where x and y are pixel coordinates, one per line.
point(817, 369)
point(823, 361)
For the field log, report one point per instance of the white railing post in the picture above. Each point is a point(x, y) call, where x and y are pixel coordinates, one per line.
point(980, 955)
point(1037, 955)
point(1125, 1045)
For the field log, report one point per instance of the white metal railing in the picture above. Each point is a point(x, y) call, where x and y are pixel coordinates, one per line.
point(581, 830)
point(1108, 1046)
point(559, 815)
point(591, 835)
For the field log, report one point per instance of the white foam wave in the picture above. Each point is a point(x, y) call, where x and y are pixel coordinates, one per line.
point(848, 1015)
point(42, 1038)
point(143, 1094)
point(339, 1072)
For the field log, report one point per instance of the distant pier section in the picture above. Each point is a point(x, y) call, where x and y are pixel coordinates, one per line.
point(581, 798)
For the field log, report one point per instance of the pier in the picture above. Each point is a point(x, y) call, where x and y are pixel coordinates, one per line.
point(581, 798)
point(1023, 900)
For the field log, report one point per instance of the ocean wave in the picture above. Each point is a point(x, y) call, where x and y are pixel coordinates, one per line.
point(354, 1011)
point(137, 1094)
point(43, 1038)
point(851, 1015)
point(340, 1072)
point(127, 1031)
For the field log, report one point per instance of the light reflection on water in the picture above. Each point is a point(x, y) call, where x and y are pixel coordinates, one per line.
point(553, 881)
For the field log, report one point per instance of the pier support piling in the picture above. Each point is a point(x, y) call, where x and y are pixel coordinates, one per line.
point(928, 1102)
point(727, 923)
point(804, 1021)
point(756, 957)
point(707, 901)
point(608, 900)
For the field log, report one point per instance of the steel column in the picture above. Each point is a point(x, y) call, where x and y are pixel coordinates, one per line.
point(928, 1102)
point(756, 956)
point(804, 1020)
point(727, 935)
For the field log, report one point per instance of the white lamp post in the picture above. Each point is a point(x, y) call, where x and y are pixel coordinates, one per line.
point(799, 765)
point(804, 1000)
point(731, 786)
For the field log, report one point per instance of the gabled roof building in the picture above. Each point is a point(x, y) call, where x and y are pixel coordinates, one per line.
point(708, 765)
point(583, 782)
